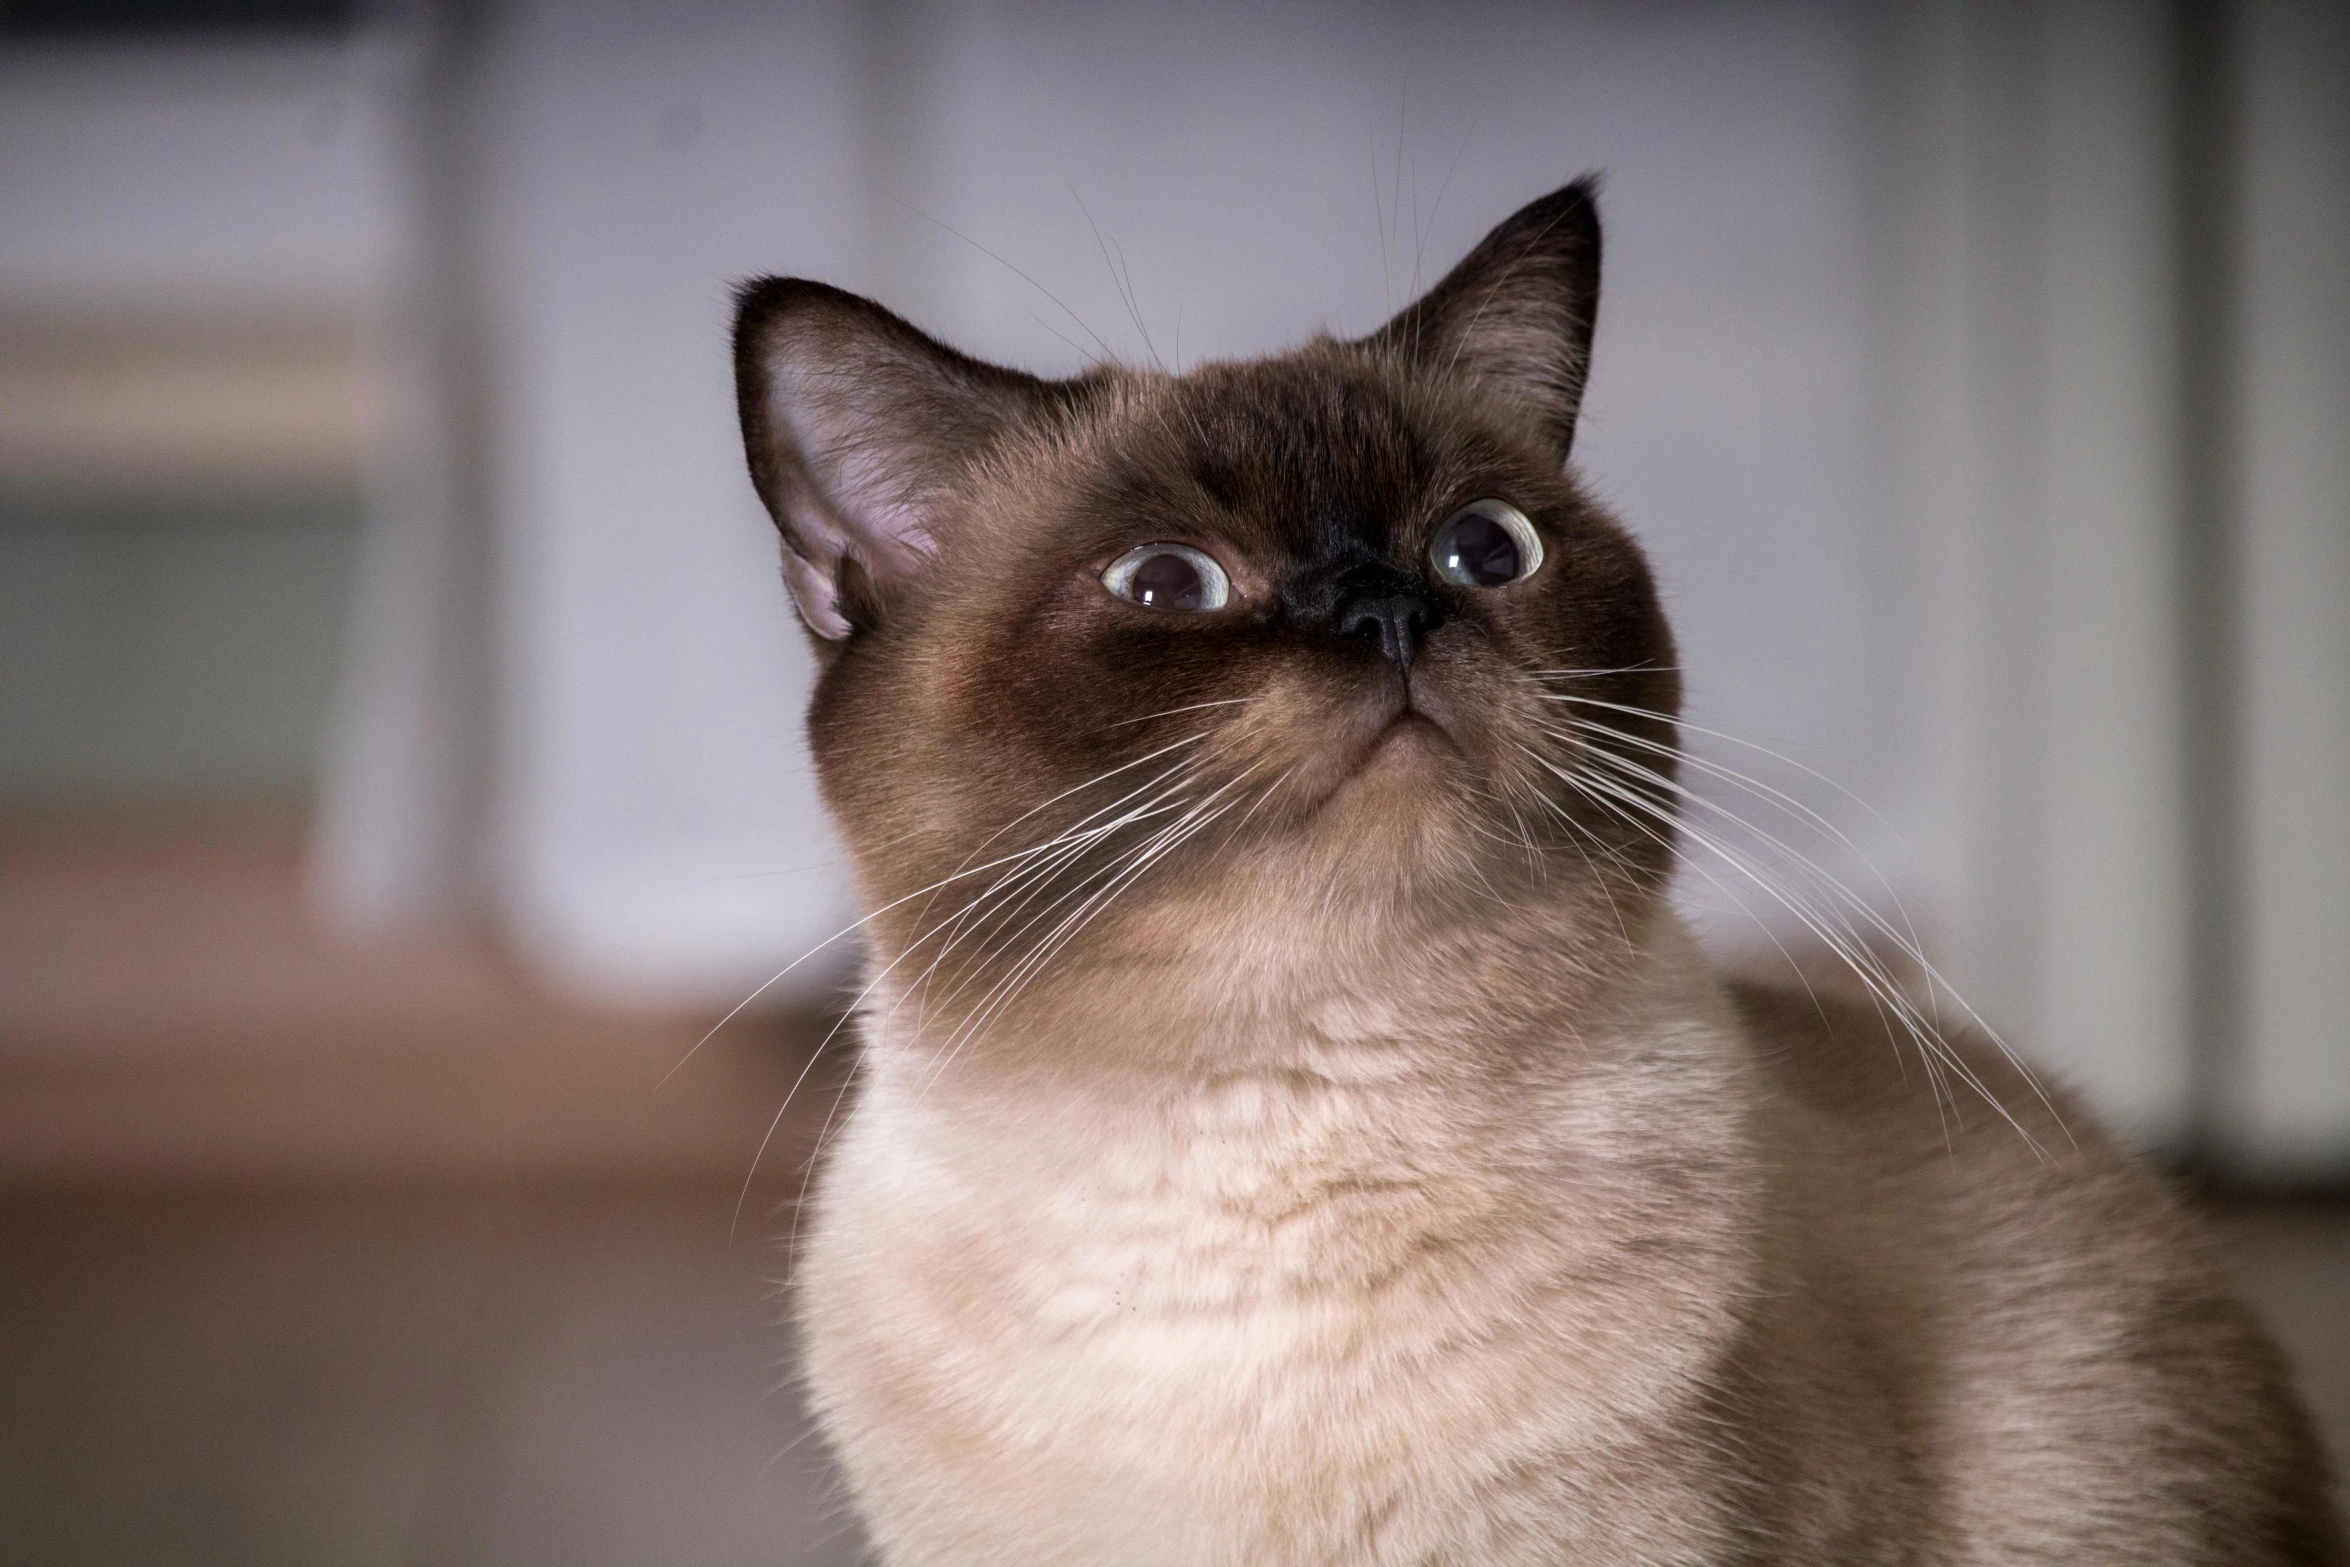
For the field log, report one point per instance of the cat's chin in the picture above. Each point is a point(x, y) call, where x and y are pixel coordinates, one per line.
point(1406, 766)
point(1411, 738)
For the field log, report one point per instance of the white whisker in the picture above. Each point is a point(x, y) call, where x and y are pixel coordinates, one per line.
point(1903, 940)
point(1006, 990)
point(1832, 926)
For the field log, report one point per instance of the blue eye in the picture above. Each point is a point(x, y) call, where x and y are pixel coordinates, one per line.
point(1486, 544)
point(1169, 576)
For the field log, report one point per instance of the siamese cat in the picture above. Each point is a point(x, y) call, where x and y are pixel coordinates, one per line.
point(1292, 1124)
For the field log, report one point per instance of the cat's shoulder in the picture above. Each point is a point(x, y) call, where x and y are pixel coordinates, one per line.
point(1947, 1139)
point(1903, 1066)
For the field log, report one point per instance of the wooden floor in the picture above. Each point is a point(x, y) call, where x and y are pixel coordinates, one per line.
point(496, 1375)
point(318, 1254)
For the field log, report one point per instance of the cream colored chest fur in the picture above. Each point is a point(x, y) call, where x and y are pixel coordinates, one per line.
point(1284, 1317)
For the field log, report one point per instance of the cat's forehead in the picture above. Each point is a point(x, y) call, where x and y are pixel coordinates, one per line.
point(1300, 446)
point(1302, 428)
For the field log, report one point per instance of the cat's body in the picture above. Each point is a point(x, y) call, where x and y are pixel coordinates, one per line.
point(1692, 1278)
point(1293, 1127)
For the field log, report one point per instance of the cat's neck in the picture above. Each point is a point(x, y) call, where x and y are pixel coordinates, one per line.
point(1193, 1047)
point(1353, 1145)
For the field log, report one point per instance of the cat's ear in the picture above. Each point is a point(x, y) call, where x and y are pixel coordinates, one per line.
point(1516, 314)
point(857, 427)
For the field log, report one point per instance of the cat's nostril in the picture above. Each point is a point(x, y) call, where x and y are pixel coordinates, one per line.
point(1394, 623)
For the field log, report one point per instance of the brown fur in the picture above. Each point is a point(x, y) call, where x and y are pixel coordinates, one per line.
point(1352, 1160)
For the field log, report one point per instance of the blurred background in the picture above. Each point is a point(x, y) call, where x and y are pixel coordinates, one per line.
point(400, 760)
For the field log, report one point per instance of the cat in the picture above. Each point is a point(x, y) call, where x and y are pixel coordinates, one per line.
point(1292, 1125)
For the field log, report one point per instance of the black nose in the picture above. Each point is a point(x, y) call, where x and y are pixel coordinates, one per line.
point(1394, 621)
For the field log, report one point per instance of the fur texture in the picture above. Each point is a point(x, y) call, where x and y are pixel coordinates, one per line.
point(1292, 1126)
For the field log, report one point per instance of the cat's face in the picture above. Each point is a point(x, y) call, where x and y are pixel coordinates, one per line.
point(1337, 622)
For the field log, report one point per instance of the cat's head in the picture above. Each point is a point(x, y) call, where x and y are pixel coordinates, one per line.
point(1324, 637)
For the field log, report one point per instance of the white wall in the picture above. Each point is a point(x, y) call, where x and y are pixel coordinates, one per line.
point(2288, 1090)
point(660, 832)
point(2113, 960)
point(2028, 467)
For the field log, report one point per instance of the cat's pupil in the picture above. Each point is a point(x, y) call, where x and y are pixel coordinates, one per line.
point(1481, 551)
point(1167, 581)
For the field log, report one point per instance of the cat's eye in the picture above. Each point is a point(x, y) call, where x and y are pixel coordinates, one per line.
point(1169, 576)
point(1486, 544)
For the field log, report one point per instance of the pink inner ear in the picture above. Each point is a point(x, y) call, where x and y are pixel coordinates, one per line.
point(864, 495)
point(856, 516)
point(812, 590)
point(880, 511)
point(865, 427)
